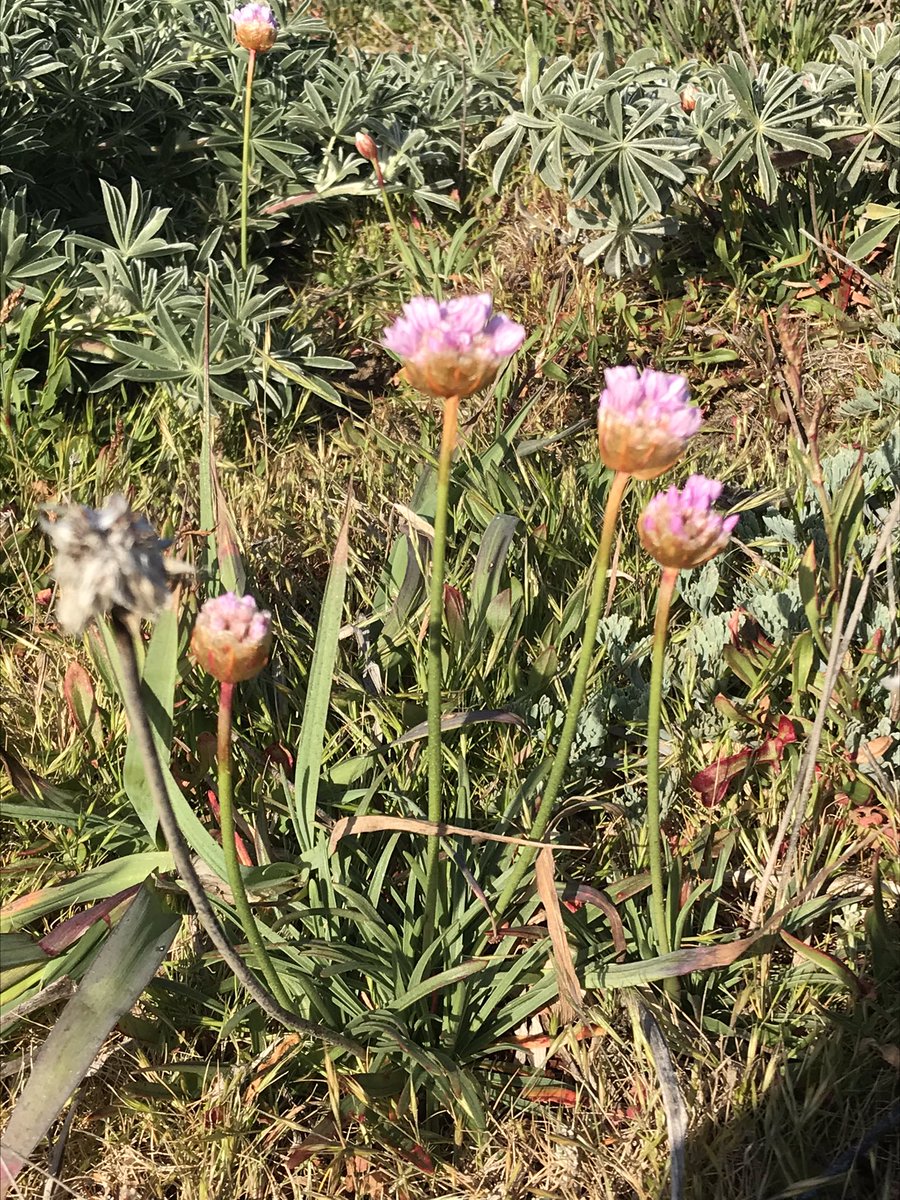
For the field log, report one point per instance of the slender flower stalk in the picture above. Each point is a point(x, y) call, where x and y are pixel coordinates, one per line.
point(658, 914)
point(245, 159)
point(644, 420)
point(576, 699)
point(231, 641)
point(449, 350)
point(229, 846)
point(368, 148)
point(680, 529)
point(435, 653)
point(256, 29)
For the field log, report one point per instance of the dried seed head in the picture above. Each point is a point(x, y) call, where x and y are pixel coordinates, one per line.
point(107, 558)
point(232, 638)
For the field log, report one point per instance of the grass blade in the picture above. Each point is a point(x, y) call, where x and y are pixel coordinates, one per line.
point(123, 968)
point(318, 696)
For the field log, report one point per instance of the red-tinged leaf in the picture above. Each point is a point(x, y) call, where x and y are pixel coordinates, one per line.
point(714, 781)
point(786, 731)
point(277, 755)
point(827, 962)
point(244, 857)
point(626, 889)
point(32, 786)
point(550, 1093)
point(290, 202)
point(454, 612)
point(583, 893)
point(79, 693)
point(566, 978)
point(69, 931)
point(420, 1158)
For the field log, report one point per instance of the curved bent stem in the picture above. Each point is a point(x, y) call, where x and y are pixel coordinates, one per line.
point(229, 846)
point(576, 700)
point(435, 648)
point(131, 693)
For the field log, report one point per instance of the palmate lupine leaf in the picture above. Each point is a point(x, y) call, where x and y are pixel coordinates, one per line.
point(132, 955)
point(769, 113)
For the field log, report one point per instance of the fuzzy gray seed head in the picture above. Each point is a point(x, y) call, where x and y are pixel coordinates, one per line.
point(107, 558)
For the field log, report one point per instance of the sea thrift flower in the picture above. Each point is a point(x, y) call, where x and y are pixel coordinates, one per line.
point(255, 27)
point(232, 638)
point(452, 347)
point(644, 421)
point(680, 528)
point(107, 558)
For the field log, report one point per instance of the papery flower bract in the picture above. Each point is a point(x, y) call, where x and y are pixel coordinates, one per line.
point(452, 347)
point(644, 421)
point(680, 529)
point(107, 558)
point(255, 27)
point(232, 638)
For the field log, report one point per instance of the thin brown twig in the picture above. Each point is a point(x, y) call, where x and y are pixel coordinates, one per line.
point(843, 633)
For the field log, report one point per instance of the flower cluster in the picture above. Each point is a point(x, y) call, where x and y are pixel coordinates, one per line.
point(255, 27)
point(679, 527)
point(452, 347)
point(644, 421)
point(232, 638)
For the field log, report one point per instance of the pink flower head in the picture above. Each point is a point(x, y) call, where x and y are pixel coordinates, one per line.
point(680, 528)
point(255, 27)
point(232, 637)
point(644, 421)
point(452, 347)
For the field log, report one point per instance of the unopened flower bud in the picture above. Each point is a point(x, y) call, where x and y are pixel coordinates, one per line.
point(680, 529)
point(232, 638)
point(689, 97)
point(365, 145)
point(452, 347)
point(644, 421)
point(107, 559)
point(255, 27)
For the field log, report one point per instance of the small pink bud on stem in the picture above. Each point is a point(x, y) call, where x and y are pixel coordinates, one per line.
point(255, 27)
point(679, 527)
point(232, 638)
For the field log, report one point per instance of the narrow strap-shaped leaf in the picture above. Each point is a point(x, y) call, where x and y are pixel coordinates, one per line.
point(128, 961)
point(158, 682)
point(318, 695)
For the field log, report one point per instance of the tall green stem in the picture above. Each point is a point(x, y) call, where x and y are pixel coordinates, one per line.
point(576, 700)
point(245, 160)
point(229, 846)
point(658, 914)
point(435, 649)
